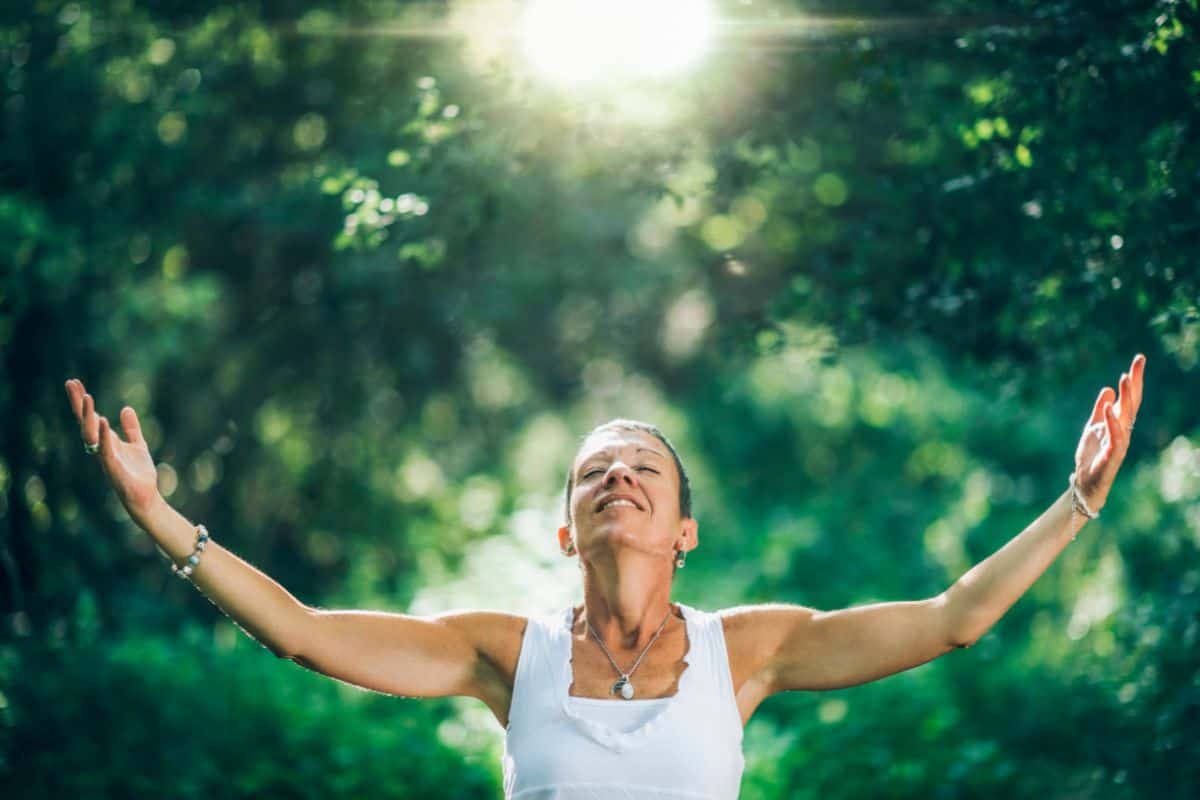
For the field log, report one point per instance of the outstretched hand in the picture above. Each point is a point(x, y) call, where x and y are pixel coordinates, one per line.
point(1105, 437)
point(127, 464)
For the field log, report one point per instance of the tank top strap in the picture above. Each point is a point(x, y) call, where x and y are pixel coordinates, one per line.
point(535, 668)
point(711, 656)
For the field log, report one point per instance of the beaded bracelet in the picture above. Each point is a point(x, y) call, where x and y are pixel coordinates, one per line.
point(1077, 502)
point(189, 566)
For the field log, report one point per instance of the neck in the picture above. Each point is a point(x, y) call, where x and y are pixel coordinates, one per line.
point(626, 596)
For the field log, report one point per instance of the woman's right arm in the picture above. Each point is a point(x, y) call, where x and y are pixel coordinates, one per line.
point(471, 653)
point(252, 599)
point(457, 653)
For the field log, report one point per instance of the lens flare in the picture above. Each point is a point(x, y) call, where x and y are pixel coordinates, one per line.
point(589, 41)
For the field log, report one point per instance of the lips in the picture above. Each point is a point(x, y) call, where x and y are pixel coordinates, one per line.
point(613, 498)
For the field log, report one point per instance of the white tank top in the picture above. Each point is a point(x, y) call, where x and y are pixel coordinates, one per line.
point(558, 747)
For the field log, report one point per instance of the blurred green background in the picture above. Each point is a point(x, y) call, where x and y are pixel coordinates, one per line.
point(368, 288)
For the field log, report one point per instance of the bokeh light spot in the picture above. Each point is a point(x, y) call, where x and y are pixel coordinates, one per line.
point(721, 232)
point(830, 189)
point(172, 127)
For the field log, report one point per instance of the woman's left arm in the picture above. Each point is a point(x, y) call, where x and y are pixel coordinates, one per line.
point(787, 647)
point(980, 597)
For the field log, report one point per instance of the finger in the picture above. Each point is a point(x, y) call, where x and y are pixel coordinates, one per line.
point(1137, 371)
point(1098, 409)
point(1124, 406)
point(1115, 426)
point(91, 423)
point(133, 429)
point(75, 394)
point(106, 444)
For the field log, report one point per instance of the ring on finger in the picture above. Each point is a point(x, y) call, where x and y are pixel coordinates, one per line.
point(91, 449)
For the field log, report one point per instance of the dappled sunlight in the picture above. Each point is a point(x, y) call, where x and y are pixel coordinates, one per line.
point(576, 41)
point(791, 368)
point(496, 380)
point(615, 391)
point(945, 539)
point(480, 502)
point(685, 323)
point(1179, 471)
point(520, 571)
point(418, 476)
point(540, 452)
point(1098, 594)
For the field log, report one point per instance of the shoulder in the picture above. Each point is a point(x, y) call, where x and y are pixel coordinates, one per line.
point(762, 620)
point(753, 637)
point(495, 635)
point(496, 638)
point(755, 633)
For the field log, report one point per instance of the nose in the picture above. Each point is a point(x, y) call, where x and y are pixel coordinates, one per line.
point(619, 471)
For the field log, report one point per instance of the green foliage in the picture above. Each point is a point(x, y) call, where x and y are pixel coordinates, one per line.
point(143, 716)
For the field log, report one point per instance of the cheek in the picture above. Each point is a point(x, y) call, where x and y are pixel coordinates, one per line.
point(669, 504)
point(579, 498)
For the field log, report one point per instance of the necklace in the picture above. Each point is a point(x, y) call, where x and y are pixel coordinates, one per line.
point(623, 686)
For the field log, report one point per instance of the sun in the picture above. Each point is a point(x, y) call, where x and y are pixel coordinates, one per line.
point(593, 41)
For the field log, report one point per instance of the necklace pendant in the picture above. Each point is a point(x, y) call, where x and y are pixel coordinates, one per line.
point(623, 687)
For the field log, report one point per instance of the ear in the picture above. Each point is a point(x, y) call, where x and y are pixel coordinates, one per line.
point(689, 534)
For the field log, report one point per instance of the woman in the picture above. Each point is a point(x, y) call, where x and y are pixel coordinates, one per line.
point(626, 694)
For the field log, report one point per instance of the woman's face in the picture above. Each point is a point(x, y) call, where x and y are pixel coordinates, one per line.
point(626, 494)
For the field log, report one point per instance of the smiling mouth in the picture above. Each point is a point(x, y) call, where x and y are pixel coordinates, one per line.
point(615, 504)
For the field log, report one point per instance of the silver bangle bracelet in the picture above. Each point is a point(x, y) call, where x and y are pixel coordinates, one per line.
point(1077, 502)
point(190, 563)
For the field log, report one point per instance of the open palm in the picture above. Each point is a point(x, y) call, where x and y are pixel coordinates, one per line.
point(128, 464)
point(1105, 438)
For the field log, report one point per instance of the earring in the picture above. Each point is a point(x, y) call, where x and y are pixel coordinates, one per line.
point(570, 551)
point(680, 555)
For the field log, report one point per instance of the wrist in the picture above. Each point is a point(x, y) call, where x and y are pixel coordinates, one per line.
point(145, 514)
point(1086, 506)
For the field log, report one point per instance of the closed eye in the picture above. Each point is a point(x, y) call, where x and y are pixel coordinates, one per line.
point(592, 472)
